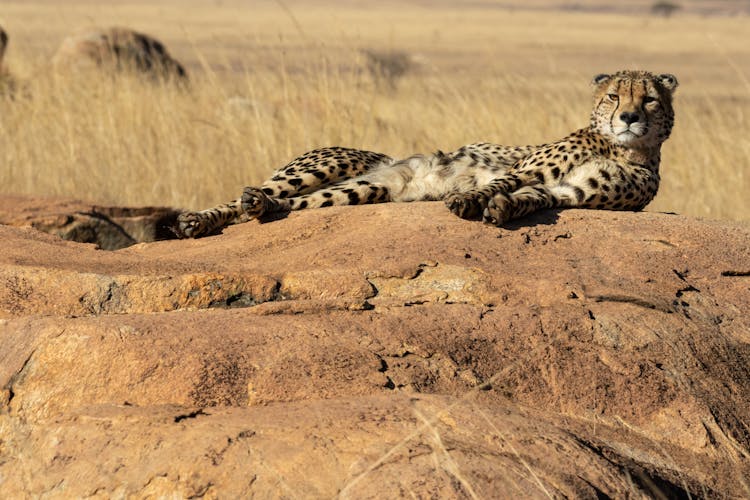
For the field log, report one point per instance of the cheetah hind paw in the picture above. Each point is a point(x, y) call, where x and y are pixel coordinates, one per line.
point(466, 206)
point(255, 202)
point(191, 225)
point(497, 211)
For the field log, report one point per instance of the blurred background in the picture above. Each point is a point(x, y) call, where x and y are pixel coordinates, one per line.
point(269, 80)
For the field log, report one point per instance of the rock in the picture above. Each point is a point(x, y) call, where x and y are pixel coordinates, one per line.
point(3, 44)
point(117, 49)
point(110, 228)
point(8, 82)
point(381, 351)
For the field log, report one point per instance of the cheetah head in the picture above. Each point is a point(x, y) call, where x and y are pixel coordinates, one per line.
point(634, 108)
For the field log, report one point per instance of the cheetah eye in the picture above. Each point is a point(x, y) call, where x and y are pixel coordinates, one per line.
point(649, 100)
point(613, 97)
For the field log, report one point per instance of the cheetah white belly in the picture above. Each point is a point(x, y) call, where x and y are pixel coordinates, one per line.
point(421, 178)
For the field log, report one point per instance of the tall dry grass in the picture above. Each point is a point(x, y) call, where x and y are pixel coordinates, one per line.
point(272, 81)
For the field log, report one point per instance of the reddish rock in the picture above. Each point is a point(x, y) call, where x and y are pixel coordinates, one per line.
point(381, 351)
point(109, 228)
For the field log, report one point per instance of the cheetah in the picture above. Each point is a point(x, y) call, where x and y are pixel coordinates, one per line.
point(612, 164)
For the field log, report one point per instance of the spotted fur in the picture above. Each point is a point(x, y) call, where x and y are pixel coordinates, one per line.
point(612, 164)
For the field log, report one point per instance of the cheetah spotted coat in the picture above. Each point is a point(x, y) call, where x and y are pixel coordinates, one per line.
point(611, 164)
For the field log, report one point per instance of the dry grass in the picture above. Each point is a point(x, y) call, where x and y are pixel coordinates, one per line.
point(276, 79)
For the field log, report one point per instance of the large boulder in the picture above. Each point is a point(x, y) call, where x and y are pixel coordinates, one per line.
point(118, 49)
point(381, 351)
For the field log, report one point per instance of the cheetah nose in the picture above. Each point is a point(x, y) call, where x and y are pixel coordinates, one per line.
point(629, 118)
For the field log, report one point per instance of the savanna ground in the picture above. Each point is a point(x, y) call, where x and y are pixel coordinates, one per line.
point(271, 80)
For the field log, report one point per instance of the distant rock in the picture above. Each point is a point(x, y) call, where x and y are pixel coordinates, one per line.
point(118, 49)
point(7, 81)
point(392, 350)
point(3, 46)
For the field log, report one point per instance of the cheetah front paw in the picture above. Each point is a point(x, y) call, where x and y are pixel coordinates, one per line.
point(497, 211)
point(191, 225)
point(466, 205)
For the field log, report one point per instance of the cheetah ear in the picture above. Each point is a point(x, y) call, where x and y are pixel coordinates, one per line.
point(668, 81)
point(599, 79)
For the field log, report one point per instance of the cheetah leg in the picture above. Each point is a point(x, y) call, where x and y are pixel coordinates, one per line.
point(471, 204)
point(503, 207)
point(319, 168)
point(302, 175)
point(205, 222)
point(257, 203)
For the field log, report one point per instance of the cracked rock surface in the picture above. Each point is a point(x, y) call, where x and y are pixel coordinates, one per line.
point(380, 352)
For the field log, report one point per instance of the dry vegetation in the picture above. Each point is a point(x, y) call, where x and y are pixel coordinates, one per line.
point(272, 80)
